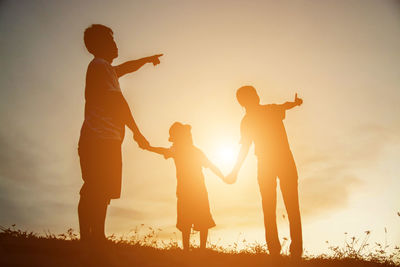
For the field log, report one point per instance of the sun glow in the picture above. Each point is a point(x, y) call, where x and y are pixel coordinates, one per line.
point(225, 157)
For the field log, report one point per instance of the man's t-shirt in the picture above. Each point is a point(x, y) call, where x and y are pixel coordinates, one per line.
point(101, 117)
point(265, 128)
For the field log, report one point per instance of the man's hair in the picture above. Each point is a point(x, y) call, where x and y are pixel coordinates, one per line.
point(246, 92)
point(94, 36)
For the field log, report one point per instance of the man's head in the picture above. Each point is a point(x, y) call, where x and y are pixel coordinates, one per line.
point(99, 41)
point(247, 96)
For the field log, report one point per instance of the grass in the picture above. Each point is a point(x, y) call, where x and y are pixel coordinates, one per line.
point(141, 247)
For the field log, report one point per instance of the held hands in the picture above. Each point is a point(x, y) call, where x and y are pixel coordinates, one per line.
point(231, 178)
point(155, 59)
point(298, 101)
point(141, 141)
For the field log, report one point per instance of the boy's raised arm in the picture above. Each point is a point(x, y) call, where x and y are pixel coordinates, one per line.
point(134, 65)
point(244, 150)
point(288, 105)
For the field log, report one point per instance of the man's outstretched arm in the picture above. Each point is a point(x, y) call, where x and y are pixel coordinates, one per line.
point(244, 150)
point(134, 65)
point(288, 105)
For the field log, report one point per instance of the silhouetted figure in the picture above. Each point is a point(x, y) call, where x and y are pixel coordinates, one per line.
point(106, 114)
point(193, 206)
point(263, 125)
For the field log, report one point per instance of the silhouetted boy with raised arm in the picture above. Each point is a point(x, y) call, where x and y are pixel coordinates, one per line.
point(106, 114)
point(263, 125)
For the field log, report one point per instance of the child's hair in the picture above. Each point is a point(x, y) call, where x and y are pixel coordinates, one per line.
point(181, 133)
point(94, 37)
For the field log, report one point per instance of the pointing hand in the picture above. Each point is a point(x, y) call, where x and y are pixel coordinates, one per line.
point(155, 59)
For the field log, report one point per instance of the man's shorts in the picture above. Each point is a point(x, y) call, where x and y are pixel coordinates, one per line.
point(101, 166)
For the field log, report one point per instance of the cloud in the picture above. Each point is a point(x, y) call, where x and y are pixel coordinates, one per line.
point(32, 189)
point(17, 158)
point(126, 213)
point(330, 175)
point(319, 195)
point(326, 184)
point(371, 140)
point(9, 209)
point(17, 167)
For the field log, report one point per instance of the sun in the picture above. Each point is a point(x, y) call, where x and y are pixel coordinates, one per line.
point(225, 156)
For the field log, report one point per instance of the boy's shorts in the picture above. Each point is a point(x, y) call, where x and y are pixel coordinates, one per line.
point(101, 166)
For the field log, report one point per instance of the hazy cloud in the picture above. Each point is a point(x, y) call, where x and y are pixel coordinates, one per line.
point(329, 179)
point(324, 194)
point(32, 189)
point(126, 213)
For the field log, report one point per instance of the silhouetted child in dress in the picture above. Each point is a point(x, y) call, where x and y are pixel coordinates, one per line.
point(193, 206)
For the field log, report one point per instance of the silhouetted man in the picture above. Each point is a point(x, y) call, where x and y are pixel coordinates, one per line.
point(263, 125)
point(106, 114)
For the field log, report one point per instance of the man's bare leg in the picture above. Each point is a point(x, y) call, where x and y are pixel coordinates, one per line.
point(85, 218)
point(99, 221)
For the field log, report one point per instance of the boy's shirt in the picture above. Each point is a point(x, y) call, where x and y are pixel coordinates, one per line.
point(101, 118)
point(265, 128)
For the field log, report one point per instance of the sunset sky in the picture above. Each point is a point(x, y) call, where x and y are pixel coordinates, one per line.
point(341, 57)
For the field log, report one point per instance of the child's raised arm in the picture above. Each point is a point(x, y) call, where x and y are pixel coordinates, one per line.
point(216, 170)
point(213, 168)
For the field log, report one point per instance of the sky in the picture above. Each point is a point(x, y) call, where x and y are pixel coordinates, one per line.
point(341, 57)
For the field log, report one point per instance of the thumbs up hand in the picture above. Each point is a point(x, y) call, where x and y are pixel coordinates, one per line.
point(297, 100)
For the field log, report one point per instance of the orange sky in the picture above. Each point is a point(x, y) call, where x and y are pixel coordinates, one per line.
point(341, 57)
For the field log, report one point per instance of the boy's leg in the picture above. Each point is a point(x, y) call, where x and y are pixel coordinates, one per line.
point(289, 188)
point(186, 239)
point(267, 183)
point(291, 199)
point(203, 238)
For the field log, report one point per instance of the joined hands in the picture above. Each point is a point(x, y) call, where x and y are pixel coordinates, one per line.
point(231, 178)
point(141, 141)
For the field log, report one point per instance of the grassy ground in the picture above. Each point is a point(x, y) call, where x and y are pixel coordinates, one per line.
point(20, 248)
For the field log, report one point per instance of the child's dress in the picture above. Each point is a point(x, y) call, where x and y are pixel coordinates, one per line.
point(193, 206)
